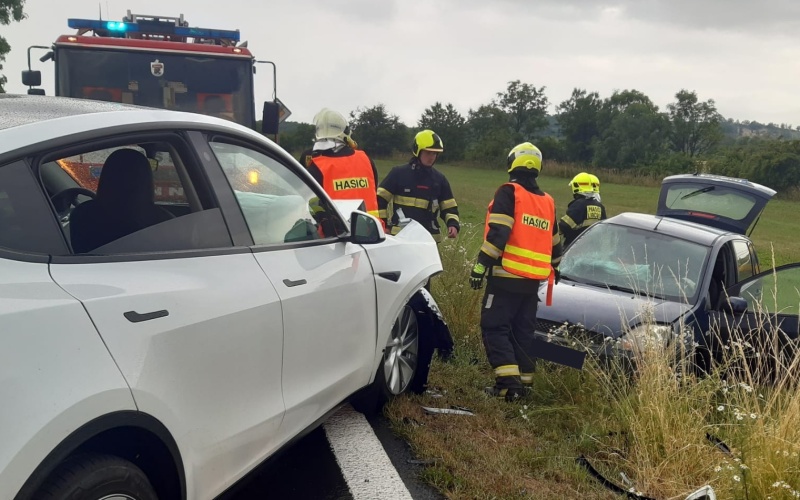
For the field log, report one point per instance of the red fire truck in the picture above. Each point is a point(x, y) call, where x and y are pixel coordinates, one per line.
point(159, 62)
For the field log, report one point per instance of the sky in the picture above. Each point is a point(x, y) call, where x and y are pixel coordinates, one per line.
point(409, 54)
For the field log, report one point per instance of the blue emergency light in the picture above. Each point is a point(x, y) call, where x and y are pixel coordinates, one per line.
point(95, 25)
point(119, 29)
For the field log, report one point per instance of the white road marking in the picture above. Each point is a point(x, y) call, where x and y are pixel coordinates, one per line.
point(365, 466)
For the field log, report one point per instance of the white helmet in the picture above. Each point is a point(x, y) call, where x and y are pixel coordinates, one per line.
point(330, 124)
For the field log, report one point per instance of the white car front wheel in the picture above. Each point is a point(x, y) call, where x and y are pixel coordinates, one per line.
point(97, 477)
point(401, 357)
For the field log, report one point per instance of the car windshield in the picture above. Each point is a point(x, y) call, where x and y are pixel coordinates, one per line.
point(643, 262)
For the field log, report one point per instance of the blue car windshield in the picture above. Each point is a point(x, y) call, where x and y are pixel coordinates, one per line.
point(643, 262)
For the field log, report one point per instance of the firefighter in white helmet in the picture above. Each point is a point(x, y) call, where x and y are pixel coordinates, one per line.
point(343, 171)
point(521, 248)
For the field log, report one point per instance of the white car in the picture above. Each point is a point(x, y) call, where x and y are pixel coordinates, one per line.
point(180, 300)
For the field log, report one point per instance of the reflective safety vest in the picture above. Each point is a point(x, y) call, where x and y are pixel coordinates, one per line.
point(529, 248)
point(349, 178)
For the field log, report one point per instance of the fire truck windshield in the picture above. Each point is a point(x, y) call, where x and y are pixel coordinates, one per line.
point(212, 85)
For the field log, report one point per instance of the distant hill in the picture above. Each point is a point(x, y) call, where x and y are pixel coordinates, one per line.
point(736, 129)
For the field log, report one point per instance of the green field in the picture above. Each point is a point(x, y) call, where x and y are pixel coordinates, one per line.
point(650, 428)
point(474, 188)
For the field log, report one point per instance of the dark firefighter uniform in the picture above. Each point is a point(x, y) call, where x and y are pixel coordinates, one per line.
point(521, 248)
point(423, 194)
point(581, 213)
point(345, 174)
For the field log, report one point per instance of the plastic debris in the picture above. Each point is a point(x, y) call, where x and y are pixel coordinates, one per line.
point(719, 444)
point(704, 493)
point(415, 461)
point(629, 493)
point(446, 411)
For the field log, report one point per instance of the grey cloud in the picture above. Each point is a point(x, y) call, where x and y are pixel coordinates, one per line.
point(765, 17)
point(372, 11)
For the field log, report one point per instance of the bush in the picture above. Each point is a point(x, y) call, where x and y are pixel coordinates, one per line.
point(774, 163)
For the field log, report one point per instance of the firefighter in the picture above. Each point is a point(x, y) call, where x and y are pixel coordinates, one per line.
point(418, 191)
point(521, 248)
point(344, 172)
point(585, 208)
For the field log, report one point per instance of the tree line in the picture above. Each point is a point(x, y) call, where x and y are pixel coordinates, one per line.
point(625, 131)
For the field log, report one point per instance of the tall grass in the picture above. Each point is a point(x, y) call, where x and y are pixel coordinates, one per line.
point(660, 425)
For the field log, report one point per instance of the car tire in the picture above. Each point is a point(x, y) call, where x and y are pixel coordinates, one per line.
point(96, 477)
point(399, 370)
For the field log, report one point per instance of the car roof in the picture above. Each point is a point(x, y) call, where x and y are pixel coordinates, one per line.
point(20, 110)
point(29, 120)
point(691, 231)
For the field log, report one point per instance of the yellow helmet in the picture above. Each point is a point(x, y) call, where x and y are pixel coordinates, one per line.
point(582, 183)
point(526, 156)
point(427, 140)
point(595, 183)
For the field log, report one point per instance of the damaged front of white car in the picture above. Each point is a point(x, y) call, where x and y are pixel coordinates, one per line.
point(402, 265)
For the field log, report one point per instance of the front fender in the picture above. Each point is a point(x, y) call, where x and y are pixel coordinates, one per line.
point(433, 334)
point(402, 264)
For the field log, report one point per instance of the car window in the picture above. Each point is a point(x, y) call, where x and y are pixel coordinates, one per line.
point(112, 197)
point(719, 200)
point(277, 204)
point(775, 292)
point(610, 255)
point(85, 168)
point(744, 261)
point(26, 224)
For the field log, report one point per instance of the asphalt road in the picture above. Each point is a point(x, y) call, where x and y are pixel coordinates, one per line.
point(349, 458)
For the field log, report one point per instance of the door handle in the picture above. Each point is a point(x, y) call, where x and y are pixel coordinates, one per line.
point(291, 283)
point(135, 317)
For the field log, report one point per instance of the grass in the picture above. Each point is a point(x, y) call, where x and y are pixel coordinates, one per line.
point(652, 427)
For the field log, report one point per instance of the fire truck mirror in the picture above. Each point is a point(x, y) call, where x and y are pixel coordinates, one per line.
point(270, 121)
point(31, 78)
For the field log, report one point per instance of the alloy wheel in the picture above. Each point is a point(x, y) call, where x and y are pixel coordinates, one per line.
point(402, 352)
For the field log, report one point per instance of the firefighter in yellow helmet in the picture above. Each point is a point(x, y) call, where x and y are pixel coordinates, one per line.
point(521, 248)
point(418, 191)
point(343, 171)
point(585, 208)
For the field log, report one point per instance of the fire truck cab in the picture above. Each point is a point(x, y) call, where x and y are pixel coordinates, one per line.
point(160, 62)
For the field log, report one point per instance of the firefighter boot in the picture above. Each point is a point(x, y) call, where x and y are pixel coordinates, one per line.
point(508, 388)
point(509, 394)
point(527, 380)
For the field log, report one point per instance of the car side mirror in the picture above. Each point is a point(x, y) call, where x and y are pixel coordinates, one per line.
point(365, 229)
point(31, 78)
point(270, 118)
point(735, 305)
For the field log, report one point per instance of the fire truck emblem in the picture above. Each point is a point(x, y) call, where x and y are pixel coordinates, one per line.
point(157, 68)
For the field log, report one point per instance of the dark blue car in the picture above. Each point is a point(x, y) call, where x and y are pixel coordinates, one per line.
point(685, 272)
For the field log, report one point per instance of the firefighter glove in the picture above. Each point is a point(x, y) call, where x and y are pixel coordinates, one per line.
point(476, 276)
point(557, 274)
